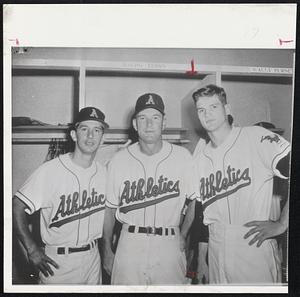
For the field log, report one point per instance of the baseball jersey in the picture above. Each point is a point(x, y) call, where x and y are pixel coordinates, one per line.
point(236, 178)
point(150, 190)
point(71, 200)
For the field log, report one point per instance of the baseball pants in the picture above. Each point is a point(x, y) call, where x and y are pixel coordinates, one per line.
point(147, 259)
point(74, 268)
point(232, 260)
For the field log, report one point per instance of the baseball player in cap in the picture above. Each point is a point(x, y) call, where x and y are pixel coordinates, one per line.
point(148, 183)
point(69, 191)
point(235, 177)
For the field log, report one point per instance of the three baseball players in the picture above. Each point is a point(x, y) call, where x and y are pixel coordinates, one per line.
point(148, 183)
point(235, 172)
point(70, 192)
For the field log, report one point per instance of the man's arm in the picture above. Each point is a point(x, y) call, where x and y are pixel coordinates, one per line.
point(108, 227)
point(36, 255)
point(187, 222)
point(269, 229)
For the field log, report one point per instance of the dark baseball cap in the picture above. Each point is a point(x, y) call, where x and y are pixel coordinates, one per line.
point(266, 125)
point(91, 114)
point(149, 100)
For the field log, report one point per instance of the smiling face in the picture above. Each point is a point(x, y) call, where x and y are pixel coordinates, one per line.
point(212, 113)
point(88, 136)
point(149, 124)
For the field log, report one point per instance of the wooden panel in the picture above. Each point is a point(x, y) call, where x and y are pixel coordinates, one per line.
point(146, 66)
point(45, 134)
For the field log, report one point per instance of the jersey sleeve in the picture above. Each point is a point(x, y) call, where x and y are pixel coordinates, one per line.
point(199, 147)
point(271, 148)
point(196, 163)
point(36, 189)
point(112, 192)
point(190, 179)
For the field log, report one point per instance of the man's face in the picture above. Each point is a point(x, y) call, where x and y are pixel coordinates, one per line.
point(211, 112)
point(88, 136)
point(149, 124)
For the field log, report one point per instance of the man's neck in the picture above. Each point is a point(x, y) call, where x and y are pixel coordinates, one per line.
point(150, 148)
point(82, 160)
point(219, 136)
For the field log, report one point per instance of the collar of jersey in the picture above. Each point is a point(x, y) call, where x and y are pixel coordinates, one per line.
point(227, 143)
point(67, 161)
point(165, 150)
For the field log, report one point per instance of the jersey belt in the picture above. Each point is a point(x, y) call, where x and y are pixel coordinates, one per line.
point(70, 250)
point(152, 230)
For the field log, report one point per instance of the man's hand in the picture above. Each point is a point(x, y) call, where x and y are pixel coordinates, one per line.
point(264, 230)
point(125, 145)
point(108, 261)
point(41, 261)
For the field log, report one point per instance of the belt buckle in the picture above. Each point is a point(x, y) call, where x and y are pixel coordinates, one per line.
point(150, 230)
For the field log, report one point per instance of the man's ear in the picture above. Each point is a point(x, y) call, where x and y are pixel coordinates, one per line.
point(134, 124)
point(73, 135)
point(164, 124)
point(227, 109)
point(102, 139)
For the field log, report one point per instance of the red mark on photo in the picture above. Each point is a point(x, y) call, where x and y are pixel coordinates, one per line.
point(16, 40)
point(191, 274)
point(284, 41)
point(192, 71)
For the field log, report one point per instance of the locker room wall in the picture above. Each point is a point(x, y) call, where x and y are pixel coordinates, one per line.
point(253, 102)
point(118, 96)
point(25, 159)
point(45, 97)
point(52, 98)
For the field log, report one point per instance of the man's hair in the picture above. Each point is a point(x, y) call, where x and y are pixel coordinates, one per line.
point(209, 91)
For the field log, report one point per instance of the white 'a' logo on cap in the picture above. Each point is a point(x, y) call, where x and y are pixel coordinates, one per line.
point(150, 100)
point(94, 113)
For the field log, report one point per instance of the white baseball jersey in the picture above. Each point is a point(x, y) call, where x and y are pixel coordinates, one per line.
point(150, 190)
point(236, 178)
point(236, 186)
point(71, 199)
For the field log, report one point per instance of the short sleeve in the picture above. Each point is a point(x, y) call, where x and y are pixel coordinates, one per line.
point(190, 178)
point(112, 196)
point(196, 163)
point(271, 148)
point(201, 144)
point(36, 190)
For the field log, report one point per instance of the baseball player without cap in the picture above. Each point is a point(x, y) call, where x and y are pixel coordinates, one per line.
point(149, 100)
point(91, 114)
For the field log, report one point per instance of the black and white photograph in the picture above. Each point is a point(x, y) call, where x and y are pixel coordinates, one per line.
point(145, 167)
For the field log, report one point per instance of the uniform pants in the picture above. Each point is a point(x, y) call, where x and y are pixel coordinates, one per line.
point(232, 261)
point(143, 259)
point(75, 268)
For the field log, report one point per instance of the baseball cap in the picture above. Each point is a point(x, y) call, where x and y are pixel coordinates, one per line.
point(266, 125)
point(149, 100)
point(91, 114)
